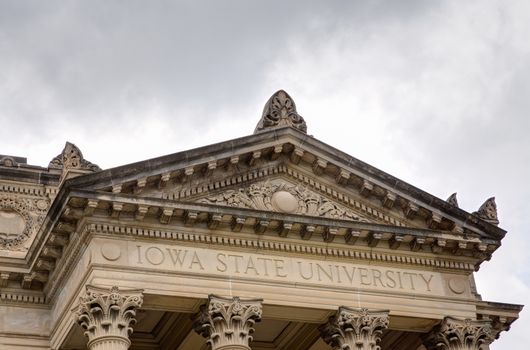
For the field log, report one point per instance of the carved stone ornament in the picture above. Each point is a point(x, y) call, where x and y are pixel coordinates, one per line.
point(488, 211)
point(7, 161)
point(107, 316)
point(355, 329)
point(20, 218)
point(284, 198)
point(72, 158)
point(455, 334)
point(452, 200)
point(280, 111)
point(228, 323)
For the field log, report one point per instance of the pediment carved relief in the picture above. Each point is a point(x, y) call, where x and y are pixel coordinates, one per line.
point(282, 197)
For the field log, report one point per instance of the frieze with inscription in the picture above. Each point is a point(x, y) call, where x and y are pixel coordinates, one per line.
point(255, 266)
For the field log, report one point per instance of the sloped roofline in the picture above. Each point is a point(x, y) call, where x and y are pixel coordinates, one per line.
point(200, 155)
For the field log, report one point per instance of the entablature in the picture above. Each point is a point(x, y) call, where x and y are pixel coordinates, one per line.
point(154, 218)
point(325, 229)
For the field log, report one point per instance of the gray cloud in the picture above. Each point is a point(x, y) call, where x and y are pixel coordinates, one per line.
point(95, 59)
point(435, 93)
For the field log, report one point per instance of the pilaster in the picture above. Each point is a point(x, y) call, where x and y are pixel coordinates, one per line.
point(455, 334)
point(355, 329)
point(107, 315)
point(228, 323)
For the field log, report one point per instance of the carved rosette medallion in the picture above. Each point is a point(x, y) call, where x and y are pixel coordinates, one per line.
point(280, 111)
point(20, 218)
point(228, 323)
point(455, 334)
point(107, 316)
point(282, 197)
point(355, 329)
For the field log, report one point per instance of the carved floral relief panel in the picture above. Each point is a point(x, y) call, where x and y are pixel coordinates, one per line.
point(280, 196)
point(20, 219)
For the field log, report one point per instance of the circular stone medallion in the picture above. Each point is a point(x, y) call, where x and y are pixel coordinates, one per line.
point(110, 251)
point(284, 201)
point(457, 286)
point(42, 204)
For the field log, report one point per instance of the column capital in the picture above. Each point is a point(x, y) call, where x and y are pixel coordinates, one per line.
point(355, 329)
point(457, 334)
point(228, 323)
point(107, 315)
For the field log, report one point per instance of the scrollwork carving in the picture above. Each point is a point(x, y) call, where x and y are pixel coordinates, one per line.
point(282, 198)
point(228, 322)
point(355, 329)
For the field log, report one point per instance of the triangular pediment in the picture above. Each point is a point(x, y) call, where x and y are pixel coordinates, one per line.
point(345, 181)
point(293, 191)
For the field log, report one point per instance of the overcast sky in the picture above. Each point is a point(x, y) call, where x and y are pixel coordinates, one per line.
point(436, 93)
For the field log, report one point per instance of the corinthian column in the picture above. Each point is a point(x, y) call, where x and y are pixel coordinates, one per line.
point(228, 323)
point(107, 315)
point(354, 329)
point(455, 334)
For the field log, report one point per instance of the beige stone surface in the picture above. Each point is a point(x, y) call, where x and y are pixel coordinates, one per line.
point(277, 269)
point(276, 216)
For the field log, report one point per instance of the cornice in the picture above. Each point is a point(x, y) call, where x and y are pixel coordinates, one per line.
point(113, 204)
point(172, 220)
point(39, 190)
point(29, 175)
point(297, 147)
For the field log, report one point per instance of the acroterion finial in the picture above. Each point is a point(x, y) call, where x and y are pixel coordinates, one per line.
point(488, 211)
point(72, 158)
point(452, 200)
point(280, 111)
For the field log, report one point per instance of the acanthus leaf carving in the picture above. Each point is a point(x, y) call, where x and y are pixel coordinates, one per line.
point(455, 334)
point(72, 158)
point(228, 323)
point(453, 200)
point(355, 329)
point(107, 315)
point(282, 197)
point(280, 110)
point(488, 211)
point(21, 218)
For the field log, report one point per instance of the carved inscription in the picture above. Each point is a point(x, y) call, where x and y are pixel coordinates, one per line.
point(276, 268)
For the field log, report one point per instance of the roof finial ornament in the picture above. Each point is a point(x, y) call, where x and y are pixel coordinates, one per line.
point(72, 158)
point(280, 111)
point(488, 211)
point(452, 200)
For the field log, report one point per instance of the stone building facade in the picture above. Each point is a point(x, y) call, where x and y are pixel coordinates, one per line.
point(270, 241)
